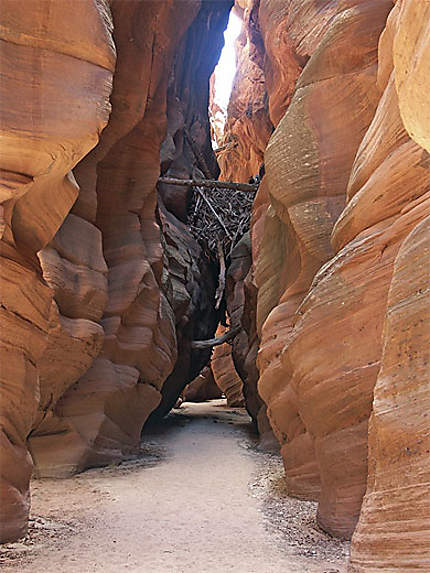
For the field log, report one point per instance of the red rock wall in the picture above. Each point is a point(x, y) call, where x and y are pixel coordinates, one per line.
point(90, 325)
point(308, 163)
point(248, 126)
point(349, 131)
point(393, 531)
point(224, 371)
point(101, 416)
point(61, 65)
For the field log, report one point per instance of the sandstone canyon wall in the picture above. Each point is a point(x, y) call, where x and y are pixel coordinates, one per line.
point(61, 64)
point(340, 261)
point(393, 532)
point(103, 287)
point(100, 286)
point(224, 371)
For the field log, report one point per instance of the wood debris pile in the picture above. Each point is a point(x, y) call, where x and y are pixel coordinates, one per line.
point(219, 218)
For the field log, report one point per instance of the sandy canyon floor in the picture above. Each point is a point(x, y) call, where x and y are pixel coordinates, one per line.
point(201, 499)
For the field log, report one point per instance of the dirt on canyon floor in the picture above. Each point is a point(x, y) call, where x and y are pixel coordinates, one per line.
point(201, 498)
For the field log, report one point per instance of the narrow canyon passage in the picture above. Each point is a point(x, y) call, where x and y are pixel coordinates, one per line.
point(195, 501)
point(182, 221)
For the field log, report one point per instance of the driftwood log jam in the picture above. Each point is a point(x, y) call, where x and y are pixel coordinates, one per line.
point(204, 344)
point(211, 184)
point(215, 214)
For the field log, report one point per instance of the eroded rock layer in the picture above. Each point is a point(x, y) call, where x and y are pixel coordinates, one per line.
point(102, 289)
point(339, 216)
point(224, 371)
point(61, 65)
point(393, 531)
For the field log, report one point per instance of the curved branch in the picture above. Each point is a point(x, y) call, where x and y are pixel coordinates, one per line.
point(203, 344)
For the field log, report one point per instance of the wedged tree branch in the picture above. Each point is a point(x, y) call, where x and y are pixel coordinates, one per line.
point(210, 184)
point(203, 344)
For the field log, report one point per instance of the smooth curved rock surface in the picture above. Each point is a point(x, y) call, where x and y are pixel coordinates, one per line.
point(224, 371)
point(393, 531)
point(61, 65)
point(93, 323)
point(308, 164)
point(202, 388)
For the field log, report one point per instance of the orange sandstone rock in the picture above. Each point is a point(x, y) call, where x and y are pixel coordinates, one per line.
point(393, 530)
point(225, 373)
point(101, 287)
point(248, 126)
point(61, 66)
point(202, 388)
point(308, 164)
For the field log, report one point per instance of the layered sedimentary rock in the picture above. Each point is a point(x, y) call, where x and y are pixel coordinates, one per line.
point(224, 371)
point(308, 164)
point(393, 530)
point(248, 126)
point(93, 323)
point(101, 416)
point(61, 65)
point(323, 272)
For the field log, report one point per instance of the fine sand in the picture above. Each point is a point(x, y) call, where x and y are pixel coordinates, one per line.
point(201, 498)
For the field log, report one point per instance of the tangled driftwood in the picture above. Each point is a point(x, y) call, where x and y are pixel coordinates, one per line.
point(211, 184)
point(218, 217)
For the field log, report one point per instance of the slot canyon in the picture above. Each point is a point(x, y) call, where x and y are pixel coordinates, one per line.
point(173, 402)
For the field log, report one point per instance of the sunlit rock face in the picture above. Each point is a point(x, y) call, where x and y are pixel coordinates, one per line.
point(56, 80)
point(393, 530)
point(101, 287)
point(248, 126)
point(338, 223)
point(308, 162)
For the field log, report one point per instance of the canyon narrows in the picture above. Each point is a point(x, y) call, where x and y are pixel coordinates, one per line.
point(105, 287)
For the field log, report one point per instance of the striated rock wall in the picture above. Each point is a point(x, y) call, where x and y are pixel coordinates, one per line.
point(61, 64)
point(101, 289)
point(224, 372)
point(101, 416)
point(248, 126)
point(393, 530)
point(308, 164)
point(338, 223)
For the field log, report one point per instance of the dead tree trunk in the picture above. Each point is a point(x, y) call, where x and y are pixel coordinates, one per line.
point(211, 184)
